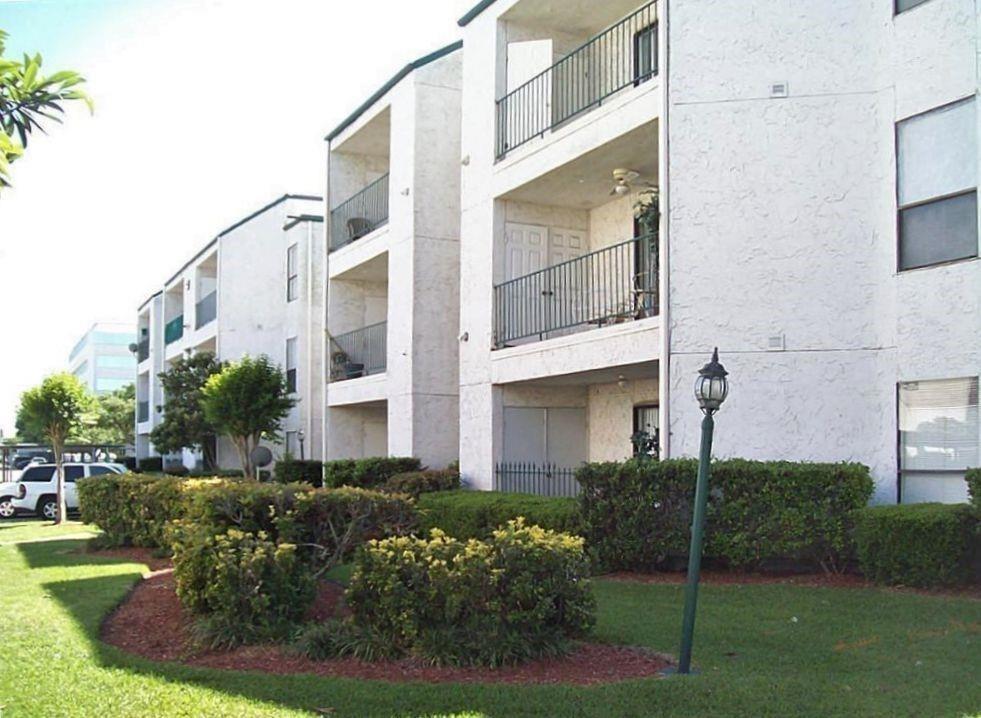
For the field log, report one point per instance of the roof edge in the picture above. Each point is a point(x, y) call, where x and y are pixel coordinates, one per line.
point(396, 79)
point(474, 12)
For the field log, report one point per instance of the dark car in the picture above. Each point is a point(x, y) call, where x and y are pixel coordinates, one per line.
point(25, 456)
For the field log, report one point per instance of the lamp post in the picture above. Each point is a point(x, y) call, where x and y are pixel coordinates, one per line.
point(301, 436)
point(711, 389)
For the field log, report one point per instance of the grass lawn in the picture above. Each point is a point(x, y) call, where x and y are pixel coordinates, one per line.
point(761, 650)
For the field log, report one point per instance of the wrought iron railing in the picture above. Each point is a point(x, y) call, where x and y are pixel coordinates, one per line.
point(143, 411)
point(360, 215)
point(143, 351)
point(612, 285)
point(518, 477)
point(206, 310)
point(359, 353)
point(174, 329)
point(621, 56)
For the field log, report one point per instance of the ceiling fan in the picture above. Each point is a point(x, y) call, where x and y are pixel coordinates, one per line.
point(623, 181)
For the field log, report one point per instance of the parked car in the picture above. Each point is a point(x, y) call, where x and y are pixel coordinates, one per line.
point(28, 456)
point(8, 492)
point(38, 486)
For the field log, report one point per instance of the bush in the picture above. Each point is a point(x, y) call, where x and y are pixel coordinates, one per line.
point(151, 464)
point(306, 472)
point(637, 514)
point(244, 587)
point(917, 544)
point(476, 514)
point(131, 510)
point(974, 487)
point(416, 483)
point(367, 473)
point(521, 594)
point(249, 506)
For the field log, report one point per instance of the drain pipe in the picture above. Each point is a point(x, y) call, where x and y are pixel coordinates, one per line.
point(664, 182)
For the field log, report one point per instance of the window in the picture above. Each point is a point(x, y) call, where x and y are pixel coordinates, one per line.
point(292, 274)
point(903, 5)
point(937, 186)
point(40, 474)
point(114, 361)
point(645, 54)
point(100, 470)
point(73, 473)
point(291, 365)
point(938, 438)
point(646, 438)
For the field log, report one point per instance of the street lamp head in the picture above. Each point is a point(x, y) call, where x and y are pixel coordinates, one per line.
point(711, 386)
point(301, 435)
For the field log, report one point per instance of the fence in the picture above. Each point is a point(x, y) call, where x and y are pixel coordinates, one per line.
point(532, 478)
point(360, 215)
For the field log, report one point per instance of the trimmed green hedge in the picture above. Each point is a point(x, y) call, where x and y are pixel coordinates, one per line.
point(367, 473)
point(131, 509)
point(294, 471)
point(974, 487)
point(521, 594)
point(417, 483)
point(476, 514)
point(917, 544)
point(637, 514)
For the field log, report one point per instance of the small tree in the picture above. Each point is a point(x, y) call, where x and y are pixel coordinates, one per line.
point(247, 400)
point(184, 425)
point(56, 409)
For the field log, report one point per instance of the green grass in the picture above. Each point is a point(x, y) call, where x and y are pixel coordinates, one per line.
point(760, 650)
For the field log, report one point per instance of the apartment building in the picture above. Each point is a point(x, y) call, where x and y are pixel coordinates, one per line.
point(101, 358)
point(256, 288)
point(392, 233)
point(815, 170)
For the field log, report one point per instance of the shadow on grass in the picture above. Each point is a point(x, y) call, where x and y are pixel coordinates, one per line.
point(90, 600)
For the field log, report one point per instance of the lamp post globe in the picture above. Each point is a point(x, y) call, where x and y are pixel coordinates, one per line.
point(712, 386)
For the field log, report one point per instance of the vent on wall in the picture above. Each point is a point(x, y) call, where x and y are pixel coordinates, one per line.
point(779, 89)
point(776, 343)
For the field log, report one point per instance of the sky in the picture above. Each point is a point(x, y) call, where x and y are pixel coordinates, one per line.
point(205, 110)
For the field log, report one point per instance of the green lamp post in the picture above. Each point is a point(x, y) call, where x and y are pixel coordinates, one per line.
point(711, 389)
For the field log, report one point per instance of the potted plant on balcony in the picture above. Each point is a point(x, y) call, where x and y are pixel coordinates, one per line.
point(341, 367)
point(647, 211)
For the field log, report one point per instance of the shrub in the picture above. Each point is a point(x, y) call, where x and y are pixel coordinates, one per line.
point(293, 472)
point(151, 464)
point(974, 487)
point(476, 514)
point(637, 514)
point(367, 473)
point(244, 587)
point(249, 506)
point(131, 510)
point(917, 544)
point(416, 483)
point(519, 595)
point(177, 470)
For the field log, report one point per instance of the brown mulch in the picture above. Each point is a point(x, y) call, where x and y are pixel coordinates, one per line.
point(808, 580)
point(151, 623)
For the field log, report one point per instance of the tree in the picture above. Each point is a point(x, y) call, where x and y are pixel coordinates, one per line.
point(113, 420)
point(57, 409)
point(247, 400)
point(28, 97)
point(184, 425)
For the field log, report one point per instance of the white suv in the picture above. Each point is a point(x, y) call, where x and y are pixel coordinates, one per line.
point(38, 486)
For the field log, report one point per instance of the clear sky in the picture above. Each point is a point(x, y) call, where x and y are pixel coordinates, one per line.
point(205, 111)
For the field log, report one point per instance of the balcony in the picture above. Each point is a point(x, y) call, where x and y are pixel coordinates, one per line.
point(174, 329)
point(360, 215)
point(612, 285)
point(359, 353)
point(622, 56)
point(206, 310)
point(143, 351)
point(143, 412)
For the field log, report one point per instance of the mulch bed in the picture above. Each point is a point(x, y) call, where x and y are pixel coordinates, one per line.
point(151, 623)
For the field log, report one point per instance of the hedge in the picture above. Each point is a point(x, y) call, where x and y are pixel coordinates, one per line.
point(131, 509)
point(637, 514)
point(917, 544)
point(151, 464)
point(521, 594)
point(974, 487)
point(476, 514)
point(417, 483)
point(367, 473)
point(293, 471)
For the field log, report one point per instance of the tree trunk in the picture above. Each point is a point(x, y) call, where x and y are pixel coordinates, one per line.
point(242, 445)
point(58, 447)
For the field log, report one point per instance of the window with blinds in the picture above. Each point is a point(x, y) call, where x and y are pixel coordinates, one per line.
point(939, 436)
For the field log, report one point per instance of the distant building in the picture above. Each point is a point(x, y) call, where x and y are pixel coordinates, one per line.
point(102, 360)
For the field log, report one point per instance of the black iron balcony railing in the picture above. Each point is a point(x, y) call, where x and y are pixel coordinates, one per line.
point(359, 353)
point(143, 351)
point(143, 411)
point(518, 477)
point(360, 215)
point(621, 56)
point(612, 285)
point(206, 310)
